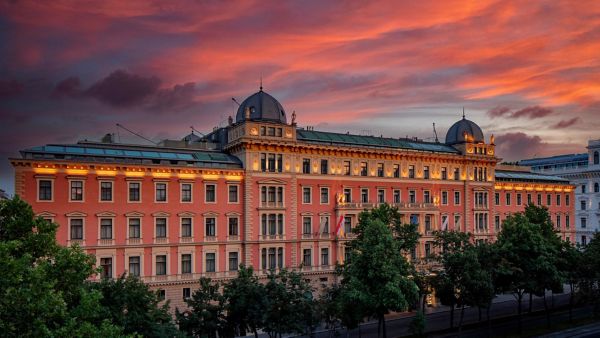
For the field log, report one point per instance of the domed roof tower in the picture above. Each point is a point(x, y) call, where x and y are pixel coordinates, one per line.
point(464, 131)
point(261, 106)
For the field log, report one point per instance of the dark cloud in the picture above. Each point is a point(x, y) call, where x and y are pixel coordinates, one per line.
point(123, 89)
point(532, 112)
point(566, 123)
point(69, 87)
point(10, 88)
point(498, 111)
point(174, 99)
point(518, 146)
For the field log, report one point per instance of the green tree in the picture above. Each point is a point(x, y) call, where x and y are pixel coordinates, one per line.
point(522, 249)
point(376, 275)
point(590, 272)
point(44, 286)
point(289, 304)
point(205, 316)
point(245, 302)
point(129, 303)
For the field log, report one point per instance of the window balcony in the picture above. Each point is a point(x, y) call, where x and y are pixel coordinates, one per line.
point(161, 240)
point(271, 237)
point(210, 238)
point(106, 241)
point(233, 238)
point(134, 241)
point(271, 205)
point(187, 239)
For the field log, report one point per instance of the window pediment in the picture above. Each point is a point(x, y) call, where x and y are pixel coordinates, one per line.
point(106, 214)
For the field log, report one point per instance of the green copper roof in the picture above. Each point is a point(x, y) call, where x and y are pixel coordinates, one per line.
point(370, 141)
point(525, 176)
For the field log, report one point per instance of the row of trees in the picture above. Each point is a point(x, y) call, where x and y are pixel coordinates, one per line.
point(46, 289)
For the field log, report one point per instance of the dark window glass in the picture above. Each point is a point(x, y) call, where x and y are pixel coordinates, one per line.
point(134, 192)
point(106, 191)
point(134, 265)
point(76, 190)
point(161, 192)
point(161, 265)
point(45, 190)
point(76, 228)
point(134, 228)
point(161, 227)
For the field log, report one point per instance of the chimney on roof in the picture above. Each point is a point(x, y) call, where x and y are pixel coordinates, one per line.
point(108, 138)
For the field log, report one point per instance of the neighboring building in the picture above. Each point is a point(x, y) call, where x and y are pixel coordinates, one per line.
point(3, 195)
point(583, 171)
point(266, 193)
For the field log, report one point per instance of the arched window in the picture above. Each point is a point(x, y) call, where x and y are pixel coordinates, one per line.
point(596, 187)
point(596, 158)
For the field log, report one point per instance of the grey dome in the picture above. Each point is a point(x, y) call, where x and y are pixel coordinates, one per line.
point(262, 107)
point(456, 133)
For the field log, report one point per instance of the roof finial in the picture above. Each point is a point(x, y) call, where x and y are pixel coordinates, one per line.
point(463, 113)
point(261, 82)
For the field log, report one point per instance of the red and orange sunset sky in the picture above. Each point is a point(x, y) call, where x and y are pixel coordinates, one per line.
point(527, 72)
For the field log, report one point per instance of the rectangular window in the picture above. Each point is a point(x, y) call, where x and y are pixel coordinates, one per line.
point(161, 227)
point(519, 199)
point(186, 192)
point(539, 199)
point(307, 257)
point(324, 256)
point(45, 190)
point(557, 199)
point(426, 196)
point(427, 223)
point(161, 192)
point(161, 265)
point(457, 222)
point(233, 261)
point(396, 196)
point(134, 192)
point(396, 170)
point(558, 221)
point(347, 224)
point(76, 190)
point(497, 198)
point(411, 171)
point(583, 188)
point(106, 191)
point(507, 198)
point(161, 294)
point(187, 293)
point(548, 199)
point(347, 168)
point(210, 262)
point(306, 195)
point(324, 195)
point(583, 205)
point(364, 195)
point(348, 195)
point(444, 198)
point(233, 226)
point(380, 196)
point(426, 172)
point(324, 224)
point(306, 166)
point(233, 193)
point(379, 169)
point(497, 222)
point(583, 222)
point(324, 167)
point(134, 228)
point(106, 264)
point(445, 222)
point(583, 240)
point(186, 263)
point(567, 200)
point(529, 199)
point(306, 225)
point(106, 228)
point(444, 173)
point(567, 221)
point(186, 227)
point(364, 169)
point(77, 228)
point(456, 174)
point(210, 226)
point(412, 196)
point(134, 266)
point(457, 198)
point(211, 194)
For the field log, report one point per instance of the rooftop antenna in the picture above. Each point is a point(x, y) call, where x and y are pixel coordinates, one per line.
point(463, 113)
point(435, 133)
point(261, 83)
point(195, 130)
point(136, 134)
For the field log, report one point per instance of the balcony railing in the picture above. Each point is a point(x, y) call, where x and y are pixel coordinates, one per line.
point(106, 241)
point(134, 241)
point(187, 239)
point(401, 205)
point(189, 276)
point(271, 237)
point(271, 205)
point(161, 240)
point(210, 238)
point(233, 238)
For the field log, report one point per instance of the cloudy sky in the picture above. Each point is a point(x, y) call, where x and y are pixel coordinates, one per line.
point(527, 72)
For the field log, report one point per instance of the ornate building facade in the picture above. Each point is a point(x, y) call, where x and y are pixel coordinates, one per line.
point(583, 171)
point(266, 193)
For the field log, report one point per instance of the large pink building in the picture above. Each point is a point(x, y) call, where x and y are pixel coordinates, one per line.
point(266, 193)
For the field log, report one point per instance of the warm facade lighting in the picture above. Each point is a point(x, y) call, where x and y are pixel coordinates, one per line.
point(104, 172)
point(45, 170)
point(186, 176)
point(210, 177)
point(79, 172)
point(161, 175)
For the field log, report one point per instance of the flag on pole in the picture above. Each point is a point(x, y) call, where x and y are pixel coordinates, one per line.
point(339, 230)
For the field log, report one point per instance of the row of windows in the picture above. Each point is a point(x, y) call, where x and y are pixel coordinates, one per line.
point(161, 261)
point(381, 196)
point(584, 187)
point(271, 162)
point(557, 223)
point(134, 227)
point(519, 200)
point(134, 189)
